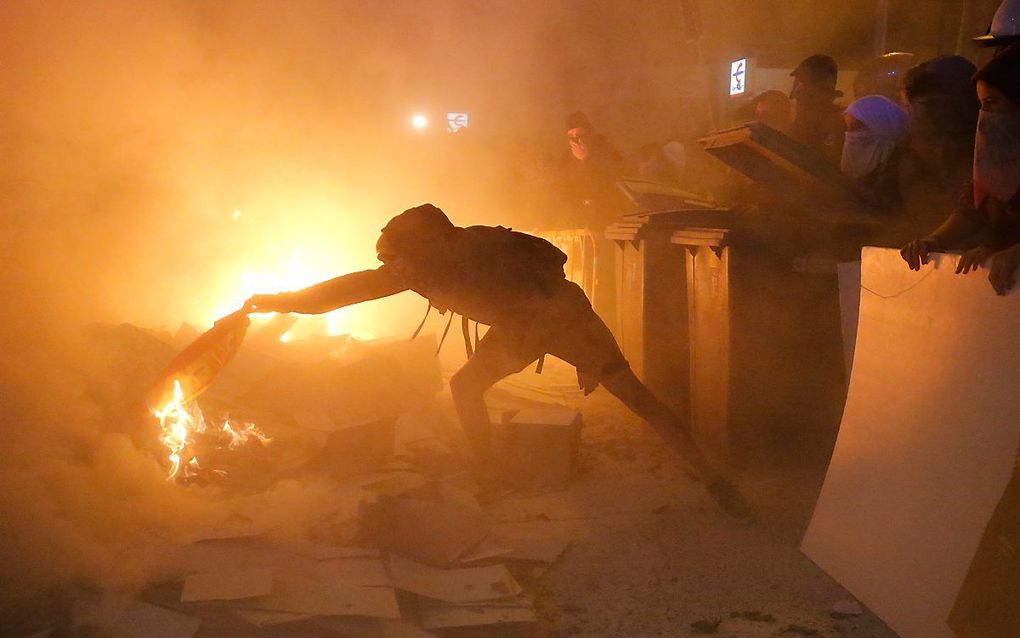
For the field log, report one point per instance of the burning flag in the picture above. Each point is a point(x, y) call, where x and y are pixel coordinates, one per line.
point(172, 398)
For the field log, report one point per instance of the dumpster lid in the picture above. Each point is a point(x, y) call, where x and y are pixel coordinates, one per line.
point(650, 197)
point(634, 227)
point(793, 171)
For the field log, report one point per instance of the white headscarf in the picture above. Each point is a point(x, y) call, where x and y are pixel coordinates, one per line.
point(887, 124)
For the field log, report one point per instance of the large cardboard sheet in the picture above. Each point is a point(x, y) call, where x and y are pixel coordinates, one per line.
point(927, 442)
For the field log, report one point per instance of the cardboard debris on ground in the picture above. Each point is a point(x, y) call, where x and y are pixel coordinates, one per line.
point(356, 446)
point(337, 415)
point(227, 585)
point(319, 551)
point(464, 585)
point(490, 548)
point(318, 598)
point(437, 532)
point(263, 618)
point(441, 616)
point(558, 385)
point(346, 565)
point(133, 619)
point(355, 627)
point(539, 447)
point(234, 555)
point(359, 572)
point(537, 541)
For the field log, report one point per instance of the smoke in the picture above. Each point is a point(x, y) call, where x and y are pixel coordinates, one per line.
point(155, 153)
point(131, 132)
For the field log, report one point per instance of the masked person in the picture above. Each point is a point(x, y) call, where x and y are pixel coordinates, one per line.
point(875, 128)
point(943, 108)
point(939, 153)
point(987, 223)
point(514, 283)
point(817, 120)
point(590, 167)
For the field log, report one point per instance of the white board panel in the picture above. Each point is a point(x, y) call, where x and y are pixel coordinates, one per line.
point(927, 442)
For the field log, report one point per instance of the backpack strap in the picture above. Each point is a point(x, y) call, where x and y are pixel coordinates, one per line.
point(541, 364)
point(421, 325)
point(446, 331)
point(465, 327)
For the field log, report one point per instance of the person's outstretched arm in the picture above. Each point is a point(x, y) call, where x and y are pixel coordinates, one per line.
point(345, 290)
point(957, 232)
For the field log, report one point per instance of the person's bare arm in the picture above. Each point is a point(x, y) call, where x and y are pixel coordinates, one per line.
point(957, 232)
point(345, 290)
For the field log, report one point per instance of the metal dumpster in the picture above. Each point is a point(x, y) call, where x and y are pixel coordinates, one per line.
point(737, 339)
point(591, 264)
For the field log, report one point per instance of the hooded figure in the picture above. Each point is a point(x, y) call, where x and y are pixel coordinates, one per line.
point(943, 114)
point(587, 192)
point(817, 121)
point(987, 222)
point(875, 127)
point(938, 154)
point(515, 284)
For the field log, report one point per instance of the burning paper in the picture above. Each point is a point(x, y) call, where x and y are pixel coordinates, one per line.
point(186, 435)
point(184, 430)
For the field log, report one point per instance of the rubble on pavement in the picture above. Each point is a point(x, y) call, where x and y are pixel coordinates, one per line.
point(404, 548)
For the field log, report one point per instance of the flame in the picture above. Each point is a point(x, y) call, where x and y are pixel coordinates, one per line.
point(241, 435)
point(178, 419)
point(184, 433)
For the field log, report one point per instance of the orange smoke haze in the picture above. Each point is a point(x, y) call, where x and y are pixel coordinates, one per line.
point(164, 159)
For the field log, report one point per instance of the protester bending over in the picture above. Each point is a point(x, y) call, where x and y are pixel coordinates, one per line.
point(515, 284)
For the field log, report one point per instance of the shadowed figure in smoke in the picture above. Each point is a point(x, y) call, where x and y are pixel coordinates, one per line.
point(817, 120)
point(986, 224)
point(515, 284)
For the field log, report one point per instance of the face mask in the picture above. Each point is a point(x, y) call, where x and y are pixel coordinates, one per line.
point(997, 156)
point(864, 152)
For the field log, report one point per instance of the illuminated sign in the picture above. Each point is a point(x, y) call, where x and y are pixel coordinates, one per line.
point(738, 77)
point(456, 121)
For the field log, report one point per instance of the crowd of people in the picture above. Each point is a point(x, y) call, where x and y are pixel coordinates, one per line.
point(913, 139)
point(985, 225)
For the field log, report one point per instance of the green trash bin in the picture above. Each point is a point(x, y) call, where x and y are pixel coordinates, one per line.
point(747, 346)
